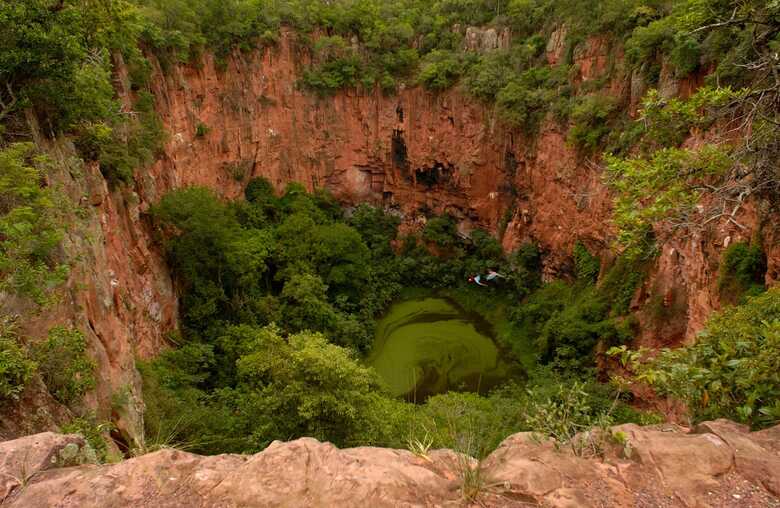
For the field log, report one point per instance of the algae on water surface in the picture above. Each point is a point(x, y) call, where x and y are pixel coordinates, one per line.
point(430, 345)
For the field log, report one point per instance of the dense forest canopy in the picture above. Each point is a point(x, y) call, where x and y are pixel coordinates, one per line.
point(280, 291)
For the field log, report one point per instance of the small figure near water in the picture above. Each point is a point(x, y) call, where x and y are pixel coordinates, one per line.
point(491, 275)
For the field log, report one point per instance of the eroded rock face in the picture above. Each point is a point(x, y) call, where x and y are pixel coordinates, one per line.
point(717, 464)
point(119, 294)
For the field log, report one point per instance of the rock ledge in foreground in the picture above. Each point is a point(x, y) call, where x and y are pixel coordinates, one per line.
point(716, 464)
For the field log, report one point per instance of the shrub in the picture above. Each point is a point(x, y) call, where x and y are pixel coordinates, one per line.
point(64, 365)
point(569, 337)
point(260, 194)
point(16, 368)
point(685, 56)
point(563, 414)
point(590, 119)
point(621, 281)
point(485, 79)
point(520, 106)
point(566, 322)
point(442, 231)
point(651, 190)
point(93, 432)
point(586, 265)
point(259, 190)
point(399, 62)
point(741, 273)
point(32, 218)
point(469, 423)
point(646, 42)
point(299, 386)
point(732, 369)
point(440, 70)
point(376, 227)
point(201, 130)
point(668, 122)
point(525, 268)
point(123, 144)
point(335, 74)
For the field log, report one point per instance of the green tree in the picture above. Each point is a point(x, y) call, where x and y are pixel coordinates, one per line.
point(376, 227)
point(663, 187)
point(203, 242)
point(64, 365)
point(520, 105)
point(591, 121)
point(305, 386)
point(306, 305)
point(16, 368)
point(53, 57)
point(732, 369)
point(32, 218)
point(742, 270)
point(273, 388)
point(440, 70)
point(342, 259)
point(485, 79)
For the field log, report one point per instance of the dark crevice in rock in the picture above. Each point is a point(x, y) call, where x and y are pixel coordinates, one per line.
point(440, 174)
point(399, 150)
point(122, 441)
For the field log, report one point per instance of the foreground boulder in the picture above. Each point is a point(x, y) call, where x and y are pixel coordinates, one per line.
point(23, 459)
point(715, 464)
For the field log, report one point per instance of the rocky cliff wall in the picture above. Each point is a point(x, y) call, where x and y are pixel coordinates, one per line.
point(418, 151)
point(414, 151)
point(119, 294)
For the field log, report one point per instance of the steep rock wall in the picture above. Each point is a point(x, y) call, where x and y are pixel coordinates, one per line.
point(415, 151)
point(119, 294)
point(419, 152)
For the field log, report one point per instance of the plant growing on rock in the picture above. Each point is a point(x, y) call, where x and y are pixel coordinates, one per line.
point(741, 272)
point(94, 432)
point(664, 187)
point(32, 217)
point(64, 365)
point(16, 368)
point(566, 416)
point(590, 119)
point(732, 369)
point(440, 70)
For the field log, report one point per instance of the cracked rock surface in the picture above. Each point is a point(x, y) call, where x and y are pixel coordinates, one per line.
point(716, 463)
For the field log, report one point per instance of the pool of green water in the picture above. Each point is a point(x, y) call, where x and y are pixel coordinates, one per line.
point(430, 345)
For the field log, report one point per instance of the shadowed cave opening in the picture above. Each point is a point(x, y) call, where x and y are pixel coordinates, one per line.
point(398, 148)
point(437, 174)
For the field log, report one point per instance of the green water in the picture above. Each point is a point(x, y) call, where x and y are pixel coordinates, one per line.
point(430, 345)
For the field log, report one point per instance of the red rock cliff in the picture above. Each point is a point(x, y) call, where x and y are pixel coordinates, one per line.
point(420, 151)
